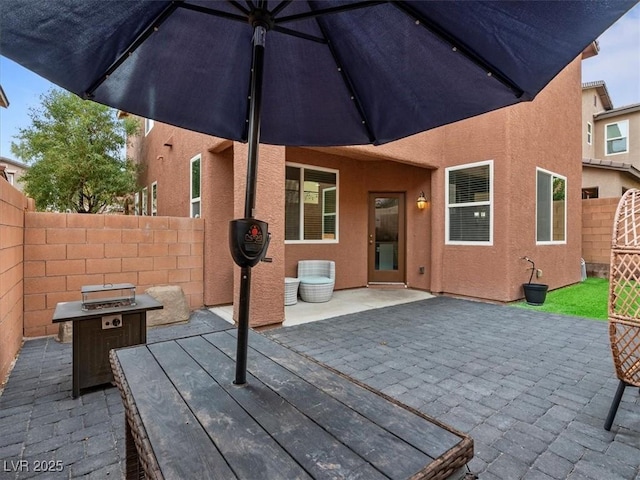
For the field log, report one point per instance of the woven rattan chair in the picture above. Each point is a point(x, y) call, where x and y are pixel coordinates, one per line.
point(317, 279)
point(624, 297)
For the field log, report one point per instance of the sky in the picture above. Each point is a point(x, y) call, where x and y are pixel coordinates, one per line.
point(618, 64)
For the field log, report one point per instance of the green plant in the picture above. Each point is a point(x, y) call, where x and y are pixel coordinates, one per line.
point(587, 299)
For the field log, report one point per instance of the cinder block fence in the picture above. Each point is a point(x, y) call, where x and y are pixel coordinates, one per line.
point(45, 258)
point(62, 252)
point(12, 207)
point(597, 227)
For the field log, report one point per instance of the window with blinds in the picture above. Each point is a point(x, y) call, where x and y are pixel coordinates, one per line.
point(551, 207)
point(469, 204)
point(311, 203)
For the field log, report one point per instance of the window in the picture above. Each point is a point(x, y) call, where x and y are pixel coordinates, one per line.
point(10, 177)
point(469, 214)
point(148, 125)
point(145, 195)
point(589, 132)
point(616, 135)
point(551, 207)
point(311, 204)
point(136, 203)
point(154, 199)
point(195, 186)
point(590, 192)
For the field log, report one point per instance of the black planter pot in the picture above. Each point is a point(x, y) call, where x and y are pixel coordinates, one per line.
point(535, 293)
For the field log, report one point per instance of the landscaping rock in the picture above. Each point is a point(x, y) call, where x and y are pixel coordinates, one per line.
point(65, 332)
point(176, 308)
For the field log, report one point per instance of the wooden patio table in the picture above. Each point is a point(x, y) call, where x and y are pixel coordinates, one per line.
point(294, 418)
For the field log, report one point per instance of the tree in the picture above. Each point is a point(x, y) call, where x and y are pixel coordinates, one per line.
point(75, 151)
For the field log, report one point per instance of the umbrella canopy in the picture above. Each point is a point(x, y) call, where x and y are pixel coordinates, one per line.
point(336, 72)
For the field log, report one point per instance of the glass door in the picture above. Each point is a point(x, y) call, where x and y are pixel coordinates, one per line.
point(386, 238)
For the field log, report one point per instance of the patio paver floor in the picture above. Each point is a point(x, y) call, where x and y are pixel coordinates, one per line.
point(531, 388)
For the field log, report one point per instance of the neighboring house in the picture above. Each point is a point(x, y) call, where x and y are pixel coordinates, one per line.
point(12, 171)
point(611, 144)
point(4, 101)
point(499, 186)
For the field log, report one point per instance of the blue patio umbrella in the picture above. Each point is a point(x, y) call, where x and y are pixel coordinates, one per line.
point(305, 73)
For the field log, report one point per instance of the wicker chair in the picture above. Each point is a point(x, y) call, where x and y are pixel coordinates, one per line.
point(624, 297)
point(317, 279)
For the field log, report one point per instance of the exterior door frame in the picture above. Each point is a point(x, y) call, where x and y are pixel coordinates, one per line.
point(386, 276)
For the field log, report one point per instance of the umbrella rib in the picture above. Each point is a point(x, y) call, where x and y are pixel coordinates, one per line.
point(153, 27)
point(239, 7)
point(280, 7)
point(349, 84)
point(295, 33)
point(213, 12)
point(459, 46)
point(327, 11)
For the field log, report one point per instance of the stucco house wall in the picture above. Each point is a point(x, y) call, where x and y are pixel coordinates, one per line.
point(610, 183)
point(358, 178)
point(543, 134)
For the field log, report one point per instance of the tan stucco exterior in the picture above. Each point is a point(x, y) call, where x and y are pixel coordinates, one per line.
point(630, 115)
point(610, 183)
point(13, 170)
point(517, 140)
point(608, 175)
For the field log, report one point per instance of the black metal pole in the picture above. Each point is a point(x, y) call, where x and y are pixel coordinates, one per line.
point(614, 405)
point(255, 104)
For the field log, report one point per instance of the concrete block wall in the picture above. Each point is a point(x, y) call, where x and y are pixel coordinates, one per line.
point(597, 227)
point(12, 207)
point(63, 252)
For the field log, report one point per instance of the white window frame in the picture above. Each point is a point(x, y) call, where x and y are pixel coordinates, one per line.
point(589, 133)
point(145, 200)
point(154, 199)
point(302, 167)
point(11, 177)
point(194, 200)
point(566, 200)
point(136, 203)
point(489, 202)
point(148, 125)
point(324, 202)
point(606, 139)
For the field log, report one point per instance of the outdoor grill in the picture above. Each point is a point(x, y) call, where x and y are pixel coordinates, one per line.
point(110, 295)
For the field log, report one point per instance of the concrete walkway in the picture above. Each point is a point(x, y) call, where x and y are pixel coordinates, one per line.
point(342, 302)
point(532, 389)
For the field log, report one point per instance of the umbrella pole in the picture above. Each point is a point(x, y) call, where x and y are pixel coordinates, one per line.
point(255, 104)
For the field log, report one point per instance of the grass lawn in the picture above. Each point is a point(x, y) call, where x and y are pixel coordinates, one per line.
point(586, 299)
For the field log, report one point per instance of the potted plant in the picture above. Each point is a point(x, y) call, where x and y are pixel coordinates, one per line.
point(534, 293)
